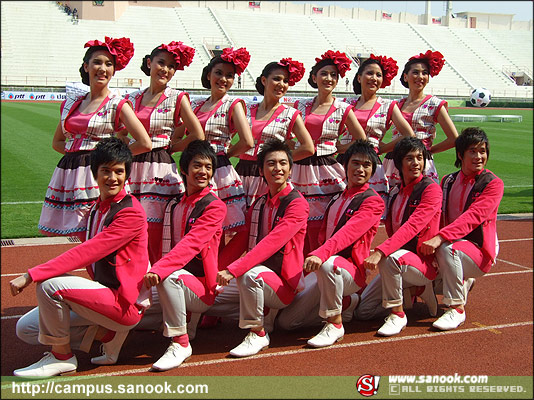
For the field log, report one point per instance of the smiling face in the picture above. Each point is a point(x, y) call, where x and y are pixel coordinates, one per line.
point(162, 68)
point(371, 78)
point(277, 83)
point(110, 178)
point(100, 67)
point(417, 76)
point(359, 170)
point(474, 159)
point(198, 174)
point(276, 170)
point(221, 78)
point(413, 165)
point(326, 78)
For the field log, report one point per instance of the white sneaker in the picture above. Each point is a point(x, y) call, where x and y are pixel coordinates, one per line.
point(110, 350)
point(348, 313)
point(467, 287)
point(252, 344)
point(393, 325)
point(173, 357)
point(429, 297)
point(268, 320)
point(49, 366)
point(452, 319)
point(328, 336)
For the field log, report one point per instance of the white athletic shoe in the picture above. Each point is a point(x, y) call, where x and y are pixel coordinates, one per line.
point(110, 350)
point(49, 366)
point(429, 297)
point(252, 344)
point(174, 356)
point(393, 325)
point(348, 313)
point(452, 319)
point(328, 336)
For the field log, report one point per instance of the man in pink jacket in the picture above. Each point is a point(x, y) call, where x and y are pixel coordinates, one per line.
point(74, 310)
point(350, 224)
point(186, 273)
point(413, 217)
point(268, 275)
point(466, 245)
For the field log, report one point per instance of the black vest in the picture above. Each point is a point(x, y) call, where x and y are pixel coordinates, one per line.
point(105, 268)
point(196, 265)
point(476, 236)
point(411, 205)
point(276, 260)
point(353, 206)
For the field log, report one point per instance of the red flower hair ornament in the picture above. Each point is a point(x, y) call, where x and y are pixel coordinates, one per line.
point(183, 54)
point(435, 61)
point(390, 68)
point(340, 59)
point(296, 69)
point(240, 58)
point(122, 49)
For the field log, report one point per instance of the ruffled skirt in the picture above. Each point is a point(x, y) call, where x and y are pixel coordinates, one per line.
point(318, 178)
point(253, 184)
point(71, 193)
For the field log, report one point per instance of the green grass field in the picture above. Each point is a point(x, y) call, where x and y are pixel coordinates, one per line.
point(28, 161)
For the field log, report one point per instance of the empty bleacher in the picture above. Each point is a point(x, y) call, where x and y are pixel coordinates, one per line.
point(42, 47)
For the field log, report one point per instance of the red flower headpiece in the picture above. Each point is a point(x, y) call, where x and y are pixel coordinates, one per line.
point(296, 69)
point(389, 67)
point(435, 61)
point(122, 49)
point(340, 59)
point(240, 58)
point(183, 54)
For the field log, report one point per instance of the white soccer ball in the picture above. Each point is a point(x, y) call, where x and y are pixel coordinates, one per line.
point(480, 97)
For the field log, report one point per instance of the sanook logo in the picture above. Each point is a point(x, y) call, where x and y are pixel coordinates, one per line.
point(367, 385)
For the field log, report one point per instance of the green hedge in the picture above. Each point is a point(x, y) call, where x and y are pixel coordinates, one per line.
point(507, 104)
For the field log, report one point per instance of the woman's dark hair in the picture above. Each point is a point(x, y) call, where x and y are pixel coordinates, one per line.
point(197, 147)
point(357, 86)
point(87, 57)
point(111, 150)
point(207, 69)
point(468, 137)
point(363, 147)
point(316, 68)
point(270, 146)
point(266, 72)
point(154, 53)
point(407, 67)
point(403, 147)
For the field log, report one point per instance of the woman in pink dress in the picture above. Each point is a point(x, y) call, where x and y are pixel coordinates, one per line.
point(270, 119)
point(85, 120)
point(155, 179)
point(221, 116)
point(423, 112)
point(320, 176)
point(375, 113)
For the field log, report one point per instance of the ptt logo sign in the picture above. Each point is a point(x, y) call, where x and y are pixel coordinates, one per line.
point(367, 385)
point(12, 96)
point(37, 96)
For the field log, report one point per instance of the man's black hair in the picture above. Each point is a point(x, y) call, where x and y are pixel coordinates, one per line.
point(111, 150)
point(364, 147)
point(197, 147)
point(468, 137)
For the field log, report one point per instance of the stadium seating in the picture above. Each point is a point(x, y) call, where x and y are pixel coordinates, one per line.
point(42, 47)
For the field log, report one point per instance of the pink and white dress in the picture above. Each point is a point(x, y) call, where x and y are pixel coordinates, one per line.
point(154, 178)
point(375, 122)
point(72, 189)
point(423, 122)
point(279, 126)
point(226, 182)
point(321, 176)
